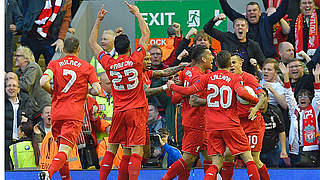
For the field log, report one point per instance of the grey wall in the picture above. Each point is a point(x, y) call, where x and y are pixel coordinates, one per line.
point(117, 16)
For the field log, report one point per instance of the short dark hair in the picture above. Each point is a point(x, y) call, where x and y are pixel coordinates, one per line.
point(223, 59)
point(27, 128)
point(71, 45)
point(252, 3)
point(305, 92)
point(197, 53)
point(122, 44)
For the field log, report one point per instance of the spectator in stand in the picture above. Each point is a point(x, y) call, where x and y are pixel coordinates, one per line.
point(17, 107)
point(280, 30)
point(260, 25)
point(270, 81)
point(304, 129)
point(44, 126)
point(87, 140)
point(237, 42)
point(286, 52)
point(155, 121)
point(40, 34)
point(201, 38)
point(13, 20)
point(29, 74)
point(302, 36)
point(173, 41)
point(156, 58)
point(293, 6)
point(275, 132)
point(25, 152)
point(298, 79)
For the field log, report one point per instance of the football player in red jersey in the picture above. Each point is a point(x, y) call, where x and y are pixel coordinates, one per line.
point(130, 111)
point(222, 122)
point(193, 118)
point(71, 76)
point(252, 124)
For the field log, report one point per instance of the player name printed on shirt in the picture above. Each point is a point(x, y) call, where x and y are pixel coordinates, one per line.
point(70, 62)
point(220, 76)
point(121, 65)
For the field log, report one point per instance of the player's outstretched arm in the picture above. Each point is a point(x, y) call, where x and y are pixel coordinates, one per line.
point(96, 89)
point(45, 83)
point(168, 71)
point(257, 107)
point(196, 101)
point(144, 29)
point(96, 48)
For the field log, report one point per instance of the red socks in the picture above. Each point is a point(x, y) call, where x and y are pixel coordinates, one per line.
point(252, 170)
point(134, 166)
point(123, 173)
point(211, 173)
point(206, 165)
point(227, 170)
point(184, 175)
point(175, 169)
point(57, 163)
point(263, 171)
point(106, 165)
point(65, 171)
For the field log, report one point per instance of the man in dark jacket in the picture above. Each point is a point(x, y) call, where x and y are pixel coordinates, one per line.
point(40, 34)
point(260, 25)
point(13, 20)
point(17, 107)
point(237, 42)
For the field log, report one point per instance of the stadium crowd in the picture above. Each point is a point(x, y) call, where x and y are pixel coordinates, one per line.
point(275, 54)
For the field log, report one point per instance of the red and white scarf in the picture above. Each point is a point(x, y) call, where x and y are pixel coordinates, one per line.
point(274, 3)
point(47, 16)
point(313, 42)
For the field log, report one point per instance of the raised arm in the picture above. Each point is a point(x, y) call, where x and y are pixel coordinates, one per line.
point(144, 29)
point(96, 89)
point(281, 11)
point(213, 32)
point(230, 13)
point(96, 48)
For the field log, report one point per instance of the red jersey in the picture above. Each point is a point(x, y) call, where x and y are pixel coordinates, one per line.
point(192, 116)
point(71, 76)
point(251, 81)
point(125, 74)
point(147, 76)
point(221, 111)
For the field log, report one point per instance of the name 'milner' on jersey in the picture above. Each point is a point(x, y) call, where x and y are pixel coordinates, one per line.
point(71, 76)
point(125, 74)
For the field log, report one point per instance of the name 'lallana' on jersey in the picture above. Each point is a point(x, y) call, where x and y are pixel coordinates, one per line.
point(70, 62)
point(220, 76)
point(121, 65)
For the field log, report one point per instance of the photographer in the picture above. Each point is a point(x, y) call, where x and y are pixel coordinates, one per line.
point(160, 149)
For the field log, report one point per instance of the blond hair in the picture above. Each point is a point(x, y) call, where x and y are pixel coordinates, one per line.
point(27, 53)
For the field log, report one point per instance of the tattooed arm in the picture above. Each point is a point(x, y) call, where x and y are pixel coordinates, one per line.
point(167, 72)
point(154, 91)
point(196, 101)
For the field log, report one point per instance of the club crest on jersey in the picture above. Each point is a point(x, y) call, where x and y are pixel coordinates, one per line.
point(189, 74)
